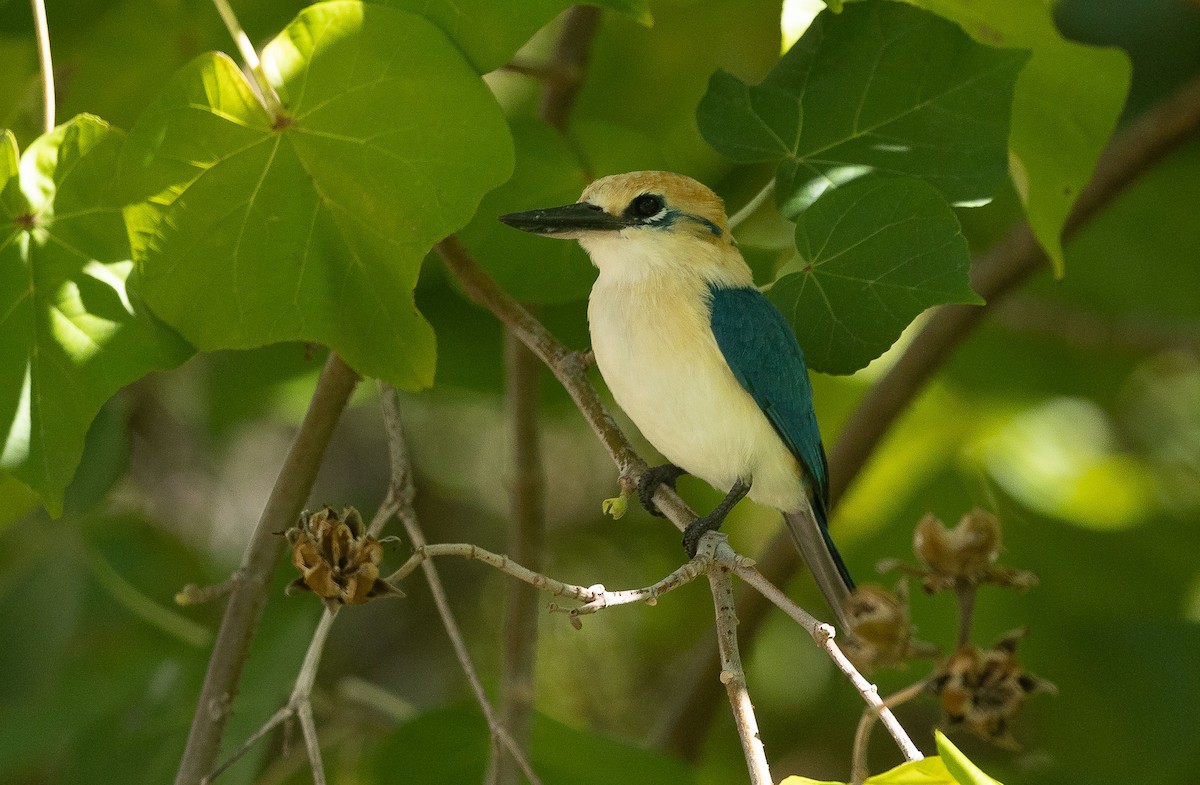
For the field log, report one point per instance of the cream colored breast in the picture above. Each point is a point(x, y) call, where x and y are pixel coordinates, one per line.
point(655, 349)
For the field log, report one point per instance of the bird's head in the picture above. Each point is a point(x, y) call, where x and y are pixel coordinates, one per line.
point(637, 215)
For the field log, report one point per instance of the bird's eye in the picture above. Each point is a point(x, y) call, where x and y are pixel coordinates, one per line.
point(646, 206)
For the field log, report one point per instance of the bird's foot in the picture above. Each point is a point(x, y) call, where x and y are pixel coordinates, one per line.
point(697, 529)
point(711, 522)
point(653, 477)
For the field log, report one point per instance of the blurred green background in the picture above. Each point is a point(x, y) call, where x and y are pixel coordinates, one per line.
point(1074, 415)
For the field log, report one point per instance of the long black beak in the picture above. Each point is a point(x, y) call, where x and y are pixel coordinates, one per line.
point(570, 219)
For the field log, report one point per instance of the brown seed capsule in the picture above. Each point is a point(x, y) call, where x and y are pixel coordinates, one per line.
point(963, 556)
point(983, 689)
point(880, 632)
point(337, 559)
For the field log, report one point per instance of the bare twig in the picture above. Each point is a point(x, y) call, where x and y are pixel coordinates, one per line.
point(299, 704)
point(823, 634)
point(594, 598)
point(249, 593)
point(964, 595)
point(193, 594)
point(249, 55)
point(42, 29)
point(402, 488)
point(733, 675)
point(862, 735)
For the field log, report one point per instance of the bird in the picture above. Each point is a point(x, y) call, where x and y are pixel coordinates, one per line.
point(701, 361)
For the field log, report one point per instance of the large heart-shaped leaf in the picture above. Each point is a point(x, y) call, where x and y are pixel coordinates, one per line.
point(73, 334)
point(873, 254)
point(1067, 102)
point(880, 85)
point(311, 225)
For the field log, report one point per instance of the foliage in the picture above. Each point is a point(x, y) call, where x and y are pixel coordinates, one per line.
point(224, 226)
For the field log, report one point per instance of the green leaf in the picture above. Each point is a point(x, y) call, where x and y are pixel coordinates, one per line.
point(881, 85)
point(73, 334)
point(927, 771)
point(548, 173)
point(1067, 103)
point(250, 229)
point(873, 254)
point(489, 33)
point(965, 772)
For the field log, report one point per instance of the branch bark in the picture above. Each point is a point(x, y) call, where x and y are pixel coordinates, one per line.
point(249, 594)
point(995, 274)
point(527, 516)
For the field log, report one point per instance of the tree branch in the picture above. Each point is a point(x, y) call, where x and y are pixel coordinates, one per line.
point(527, 528)
point(249, 593)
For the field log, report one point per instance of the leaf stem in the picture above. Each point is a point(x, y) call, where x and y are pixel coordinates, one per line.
point(752, 206)
point(42, 29)
point(250, 57)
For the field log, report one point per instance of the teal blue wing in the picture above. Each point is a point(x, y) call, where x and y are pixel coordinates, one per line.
point(763, 354)
point(762, 351)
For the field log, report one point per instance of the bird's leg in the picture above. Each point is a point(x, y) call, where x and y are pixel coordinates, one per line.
point(653, 477)
point(711, 522)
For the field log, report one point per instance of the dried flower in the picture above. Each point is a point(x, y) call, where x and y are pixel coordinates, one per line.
point(337, 559)
point(984, 689)
point(963, 556)
point(879, 629)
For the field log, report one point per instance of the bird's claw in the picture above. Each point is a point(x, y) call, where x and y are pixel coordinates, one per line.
point(696, 530)
point(653, 477)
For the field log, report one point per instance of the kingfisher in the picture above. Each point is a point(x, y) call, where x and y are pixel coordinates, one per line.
point(703, 363)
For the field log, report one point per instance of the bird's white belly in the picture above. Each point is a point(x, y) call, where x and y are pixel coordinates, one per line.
point(665, 370)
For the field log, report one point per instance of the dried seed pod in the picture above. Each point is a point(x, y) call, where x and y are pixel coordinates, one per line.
point(879, 628)
point(983, 689)
point(963, 556)
point(337, 559)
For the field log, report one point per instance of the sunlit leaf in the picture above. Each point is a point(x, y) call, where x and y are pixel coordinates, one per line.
point(1066, 104)
point(881, 85)
point(73, 334)
point(250, 229)
point(964, 771)
point(489, 32)
point(873, 254)
point(927, 771)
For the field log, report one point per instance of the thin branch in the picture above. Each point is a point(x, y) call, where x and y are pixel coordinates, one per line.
point(249, 55)
point(299, 704)
point(823, 634)
point(964, 595)
point(567, 366)
point(733, 676)
point(42, 29)
point(402, 488)
point(995, 274)
point(249, 593)
point(569, 60)
point(862, 735)
point(593, 598)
